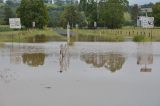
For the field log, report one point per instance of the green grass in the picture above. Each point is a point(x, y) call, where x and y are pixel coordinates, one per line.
point(139, 38)
point(97, 35)
point(117, 35)
point(4, 28)
point(32, 35)
point(84, 35)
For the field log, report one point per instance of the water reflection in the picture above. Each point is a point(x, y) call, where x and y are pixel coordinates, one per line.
point(32, 56)
point(145, 56)
point(111, 61)
point(2, 45)
point(38, 39)
point(64, 58)
point(33, 59)
point(15, 56)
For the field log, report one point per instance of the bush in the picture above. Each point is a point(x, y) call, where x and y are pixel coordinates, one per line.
point(141, 38)
point(33, 11)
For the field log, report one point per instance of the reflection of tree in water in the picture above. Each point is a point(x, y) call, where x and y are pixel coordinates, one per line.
point(111, 61)
point(115, 62)
point(145, 56)
point(33, 59)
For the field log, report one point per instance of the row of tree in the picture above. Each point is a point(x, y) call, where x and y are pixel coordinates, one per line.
point(106, 13)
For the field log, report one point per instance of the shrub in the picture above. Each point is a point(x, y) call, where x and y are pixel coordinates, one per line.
point(141, 38)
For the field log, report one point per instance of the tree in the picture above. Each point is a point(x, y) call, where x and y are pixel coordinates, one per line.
point(108, 13)
point(71, 15)
point(114, 13)
point(7, 13)
point(156, 13)
point(134, 13)
point(54, 18)
point(83, 5)
point(33, 11)
point(91, 12)
point(102, 13)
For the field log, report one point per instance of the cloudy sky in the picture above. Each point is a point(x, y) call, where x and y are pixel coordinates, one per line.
point(142, 1)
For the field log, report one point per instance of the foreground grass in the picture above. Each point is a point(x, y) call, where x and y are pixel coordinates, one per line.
point(33, 35)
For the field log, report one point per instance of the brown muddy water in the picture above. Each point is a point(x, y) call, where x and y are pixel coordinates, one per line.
point(86, 74)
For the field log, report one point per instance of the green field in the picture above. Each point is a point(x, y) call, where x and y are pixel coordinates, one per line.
point(118, 34)
point(32, 35)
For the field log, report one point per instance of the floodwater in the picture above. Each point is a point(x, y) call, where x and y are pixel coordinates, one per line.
point(86, 74)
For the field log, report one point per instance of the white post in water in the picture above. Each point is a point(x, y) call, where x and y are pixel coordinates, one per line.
point(68, 33)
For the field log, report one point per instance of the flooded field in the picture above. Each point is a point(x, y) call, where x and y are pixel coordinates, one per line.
point(86, 74)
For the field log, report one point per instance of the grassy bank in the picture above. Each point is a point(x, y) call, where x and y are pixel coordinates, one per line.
point(97, 35)
point(33, 35)
point(137, 34)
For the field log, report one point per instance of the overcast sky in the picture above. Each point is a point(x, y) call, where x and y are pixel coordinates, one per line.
point(142, 1)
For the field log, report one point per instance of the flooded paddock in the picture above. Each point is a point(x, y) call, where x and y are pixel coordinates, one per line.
point(86, 74)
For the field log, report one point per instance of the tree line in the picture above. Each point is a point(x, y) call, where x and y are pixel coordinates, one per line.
point(105, 13)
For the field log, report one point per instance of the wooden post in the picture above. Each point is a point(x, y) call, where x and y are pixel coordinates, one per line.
point(68, 33)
